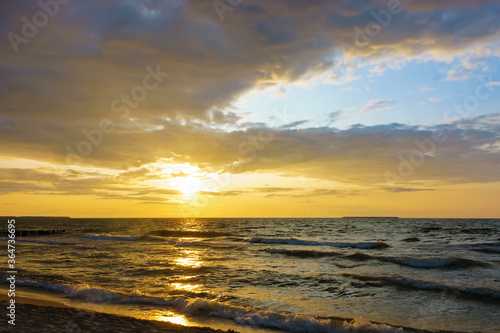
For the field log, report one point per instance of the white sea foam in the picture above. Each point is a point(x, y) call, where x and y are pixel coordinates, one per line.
point(303, 253)
point(111, 237)
point(92, 294)
point(196, 307)
point(422, 262)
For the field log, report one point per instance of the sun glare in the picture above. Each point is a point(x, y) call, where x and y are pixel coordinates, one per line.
point(187, 180)
point(187, 185)
point(173, 318)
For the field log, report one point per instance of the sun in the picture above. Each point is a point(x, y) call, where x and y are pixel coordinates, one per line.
point(188, 186)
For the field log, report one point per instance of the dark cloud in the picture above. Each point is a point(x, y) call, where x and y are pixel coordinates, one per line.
point(72, 81)
point(408, 189)
point(71, 182)
point(332, 192)
point(334, 116)
point(273, 189)
point(220, 117)
point(294, 124)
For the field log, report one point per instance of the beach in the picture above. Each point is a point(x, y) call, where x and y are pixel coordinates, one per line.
point(34, 315)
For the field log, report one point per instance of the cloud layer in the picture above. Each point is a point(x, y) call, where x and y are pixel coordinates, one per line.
point(86, 72)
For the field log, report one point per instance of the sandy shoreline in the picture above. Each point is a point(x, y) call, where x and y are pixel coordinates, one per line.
point(34, 315)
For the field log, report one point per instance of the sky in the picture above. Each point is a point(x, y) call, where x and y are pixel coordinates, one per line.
point(241, 108)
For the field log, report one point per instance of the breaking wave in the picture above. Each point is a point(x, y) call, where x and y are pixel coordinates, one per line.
point(111, 237)
point(433, 262)
point(202, 307)
point(295, 241)
point(187, 233)
point(478, 292)
point(302, 253)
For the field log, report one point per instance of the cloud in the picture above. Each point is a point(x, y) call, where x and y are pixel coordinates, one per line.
point(209, 61)
point(408, 189)
point(71, 182)
point(295, 124)
point(334, 116)
point(456, 74)
point(280, 92)
point(331, 192)
point(381, 67)
point(363, 154)
point(434, 99)
point(273, 189)
point(223, 117)
point(376, 105)
point(359, 155)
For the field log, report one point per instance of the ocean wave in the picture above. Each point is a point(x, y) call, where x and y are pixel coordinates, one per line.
point(417, 262)
point(240, 315)
point(111, 237)
point(191, 244)
point(246, 316)
point(488, 250)
point(302, 253)
point(420, 262)
point(411, 239)
point(187, 233)
point(153, 238)
point(430, 228)
point(478, 230)
point(30, 282)
point(202, 245)
point(295, 241)
point(488, 247)
point(84, 247)
point(477, 292)
point(83, 292)
point(360, 257)
point(37, 241)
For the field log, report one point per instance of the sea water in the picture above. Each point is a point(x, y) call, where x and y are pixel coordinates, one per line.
point(291, 275)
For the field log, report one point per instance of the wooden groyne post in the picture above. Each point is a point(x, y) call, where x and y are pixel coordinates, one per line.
point(34, 232)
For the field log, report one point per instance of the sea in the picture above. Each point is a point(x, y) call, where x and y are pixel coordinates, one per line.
point(255, 275)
